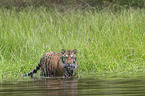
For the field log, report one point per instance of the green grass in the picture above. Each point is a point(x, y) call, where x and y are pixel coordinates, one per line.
point(107, 42)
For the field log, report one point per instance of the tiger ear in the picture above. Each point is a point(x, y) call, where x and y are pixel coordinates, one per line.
point(75, 51)
point(62, 51)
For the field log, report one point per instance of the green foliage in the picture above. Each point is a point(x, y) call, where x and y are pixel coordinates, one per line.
point(73, 4)
point(107, 42)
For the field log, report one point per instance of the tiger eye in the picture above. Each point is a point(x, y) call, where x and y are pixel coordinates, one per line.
point(72, 56)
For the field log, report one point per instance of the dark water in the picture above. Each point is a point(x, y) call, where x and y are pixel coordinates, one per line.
point(101, 86)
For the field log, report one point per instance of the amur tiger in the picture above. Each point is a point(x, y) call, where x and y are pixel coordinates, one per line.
point(54, 64)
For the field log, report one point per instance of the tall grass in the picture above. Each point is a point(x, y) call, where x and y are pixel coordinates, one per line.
point(107, 42)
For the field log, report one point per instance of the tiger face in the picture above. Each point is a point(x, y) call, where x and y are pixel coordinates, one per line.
point(69, 57)
point(69, 60)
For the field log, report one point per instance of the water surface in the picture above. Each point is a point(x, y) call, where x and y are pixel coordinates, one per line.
point(100, 86)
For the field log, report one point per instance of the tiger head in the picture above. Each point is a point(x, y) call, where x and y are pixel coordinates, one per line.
point(69, 60)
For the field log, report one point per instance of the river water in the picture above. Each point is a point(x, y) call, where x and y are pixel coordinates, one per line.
point(99, 86)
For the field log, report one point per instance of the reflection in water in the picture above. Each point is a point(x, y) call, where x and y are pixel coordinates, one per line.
point(111, 87)
point(59, 87)
point(73, 87)
point(41, 87)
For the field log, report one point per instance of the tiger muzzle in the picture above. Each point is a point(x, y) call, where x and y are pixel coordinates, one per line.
point(69, 65)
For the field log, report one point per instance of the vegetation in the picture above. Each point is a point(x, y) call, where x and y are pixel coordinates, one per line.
point(64, 5)
point(107, 42)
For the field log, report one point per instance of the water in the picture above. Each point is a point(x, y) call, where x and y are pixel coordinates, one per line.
point(99, 86)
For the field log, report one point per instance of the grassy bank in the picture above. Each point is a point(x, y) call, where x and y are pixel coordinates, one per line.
point(107, 42)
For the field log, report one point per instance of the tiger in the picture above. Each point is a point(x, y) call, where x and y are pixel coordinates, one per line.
point(54, 64)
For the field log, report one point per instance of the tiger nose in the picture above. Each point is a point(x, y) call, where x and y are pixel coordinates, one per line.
point(69, 62)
